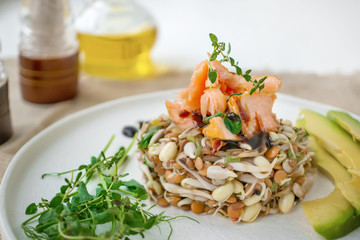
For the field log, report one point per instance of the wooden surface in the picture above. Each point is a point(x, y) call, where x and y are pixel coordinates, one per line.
point(28, 118)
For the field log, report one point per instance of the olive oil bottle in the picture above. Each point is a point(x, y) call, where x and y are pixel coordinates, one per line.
point(116, 37)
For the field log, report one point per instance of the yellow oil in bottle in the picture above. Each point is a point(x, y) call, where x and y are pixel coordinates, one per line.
point(117, 56)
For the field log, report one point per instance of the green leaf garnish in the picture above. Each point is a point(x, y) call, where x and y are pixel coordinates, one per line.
point(31, 209)
point(258, 85)
point(212, 75)
point(56, 201)
point(234, 94)
point(233, 123)
point(76, 213)
point(136, 188)
point(213, 38)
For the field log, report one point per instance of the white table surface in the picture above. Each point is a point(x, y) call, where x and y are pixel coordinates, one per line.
point(309, 36)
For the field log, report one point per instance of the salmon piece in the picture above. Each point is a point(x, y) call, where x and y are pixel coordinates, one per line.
point(237, 84)
point(216, 130)
point(229, 82)
point(188, 100)
point(272, 84)
point(212, 101)
point(255, 112)
point(183, 99)
point(197, 84)
point(175, 110)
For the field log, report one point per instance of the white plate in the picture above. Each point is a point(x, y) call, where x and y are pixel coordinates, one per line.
point(71, 141)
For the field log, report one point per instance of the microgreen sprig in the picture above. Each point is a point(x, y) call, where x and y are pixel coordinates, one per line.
point(74, 213)
point(221, 51)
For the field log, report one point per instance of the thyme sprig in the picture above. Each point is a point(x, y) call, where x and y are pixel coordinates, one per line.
point(221, 51)
point(115, 211)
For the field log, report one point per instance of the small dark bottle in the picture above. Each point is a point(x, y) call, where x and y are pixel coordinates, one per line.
point(5, 122)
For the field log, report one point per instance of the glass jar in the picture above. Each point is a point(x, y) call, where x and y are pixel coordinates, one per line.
point(5, 121)
point(115, 38)
point(48, 52)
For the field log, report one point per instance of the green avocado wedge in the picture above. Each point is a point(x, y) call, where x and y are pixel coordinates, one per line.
point(347, 122)
point(332, 216)
point(334, 139)
point(328, 165)
point(351, 191)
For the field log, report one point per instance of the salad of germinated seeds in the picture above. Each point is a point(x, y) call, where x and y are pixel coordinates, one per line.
point(221, 149)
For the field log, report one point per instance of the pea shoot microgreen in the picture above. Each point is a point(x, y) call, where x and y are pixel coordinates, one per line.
point(221, 51)
point(115, 211)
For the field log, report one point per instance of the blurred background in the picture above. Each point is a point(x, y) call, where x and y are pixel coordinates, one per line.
point(308, 36)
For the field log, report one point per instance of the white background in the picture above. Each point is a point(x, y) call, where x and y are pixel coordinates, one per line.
point(313, 36)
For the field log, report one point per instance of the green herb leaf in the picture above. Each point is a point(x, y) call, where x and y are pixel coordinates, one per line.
point(229, 49)
point(55, 201)
point(83, 193)
point(150, 222)
point(136, 188)
point(207, 119)
point(238, 70)
point(116, 184)
point(253, 90)
point(47, 216)
point(213, 56)
point(232, 61)
point(234, 94)
point(31, 209)
point(212, 75)
point(213, 38)
point(247, 78)
point(100, 192)
point(81, 167)
point(233, 123)
point(103, 217)
point(64, 188)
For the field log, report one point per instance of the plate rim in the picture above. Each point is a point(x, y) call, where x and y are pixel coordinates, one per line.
point(5, 229)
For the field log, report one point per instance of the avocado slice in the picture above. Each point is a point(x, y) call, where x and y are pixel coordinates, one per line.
point(332, 216)
point(334, 139)
point(347, 122)
point(328, 164)
point(351, 191)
